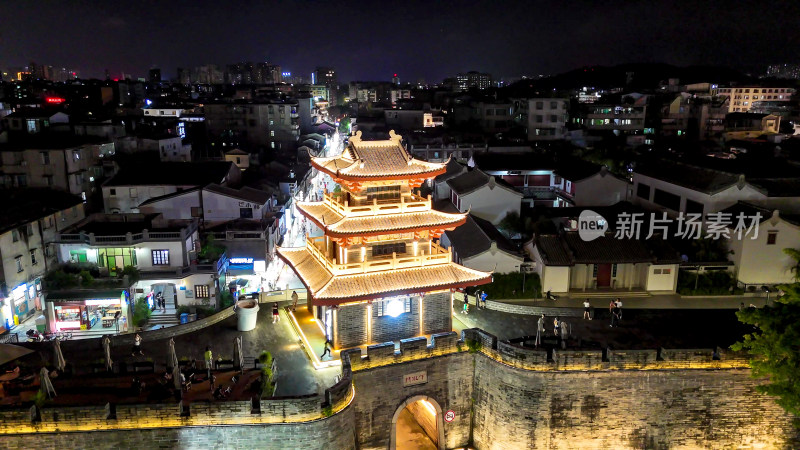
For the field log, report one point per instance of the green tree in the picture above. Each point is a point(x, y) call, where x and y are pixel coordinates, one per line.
point(141, 312)
point(709, 250)
point(774, 345)
point(211, 250)
point(795, 254)
point(511, 224)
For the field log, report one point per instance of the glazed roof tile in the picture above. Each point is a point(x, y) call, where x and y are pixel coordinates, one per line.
point(376, 159)
point(328, 289)
point(336, 224)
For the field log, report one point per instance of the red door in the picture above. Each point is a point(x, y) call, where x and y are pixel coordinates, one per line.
point(603, 275)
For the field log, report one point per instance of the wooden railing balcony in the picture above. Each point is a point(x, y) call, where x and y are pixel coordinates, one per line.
point(406, 203)
point(437, 255)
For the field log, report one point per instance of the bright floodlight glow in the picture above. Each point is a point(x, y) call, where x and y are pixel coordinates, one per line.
point(394, 308)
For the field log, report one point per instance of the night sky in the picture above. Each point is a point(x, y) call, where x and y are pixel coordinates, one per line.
point(417, 39)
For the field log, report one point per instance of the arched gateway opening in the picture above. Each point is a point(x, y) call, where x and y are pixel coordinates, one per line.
point(418, 424)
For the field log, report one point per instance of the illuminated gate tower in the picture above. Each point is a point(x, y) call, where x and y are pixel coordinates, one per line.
point(378, 273)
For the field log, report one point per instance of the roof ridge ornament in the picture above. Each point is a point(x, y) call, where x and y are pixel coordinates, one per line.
point(356, 139)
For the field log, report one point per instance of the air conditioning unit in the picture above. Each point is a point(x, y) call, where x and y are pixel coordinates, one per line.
point(23, 163)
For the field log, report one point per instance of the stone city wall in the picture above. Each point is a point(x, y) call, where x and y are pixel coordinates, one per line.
point(310, 421)
point(335, 432)
point(502, 396)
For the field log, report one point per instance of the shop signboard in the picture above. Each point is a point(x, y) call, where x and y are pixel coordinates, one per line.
point(240, 263)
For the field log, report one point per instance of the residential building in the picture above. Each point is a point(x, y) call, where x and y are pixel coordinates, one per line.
point(626, 118)
point(479, 245)
point(29, 220)
point(170, 147)
point(758, 257)
point(484, 195)
point(568, 264)
point(165, 253)
point(683, 188)
point(212, 204)
point(786, 71)
point(378, 273)
point(750, 125)
point(54, 161)
point(545, 181)
point(547, 119)
point(239, 157)
point(412, 119)
point(33, 121)
point(134, 185)
point(441, 190)
point(473, 79)
point(254, 124)
point(493, 117)
point(163, 112)
point(742, 98)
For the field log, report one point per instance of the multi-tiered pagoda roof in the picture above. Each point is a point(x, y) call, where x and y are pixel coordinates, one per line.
point(340, 273)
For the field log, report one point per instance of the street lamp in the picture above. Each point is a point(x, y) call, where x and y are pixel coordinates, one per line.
point(766, 289)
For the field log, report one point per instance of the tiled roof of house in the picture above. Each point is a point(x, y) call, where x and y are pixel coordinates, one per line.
point(475, 179)
point(693, 177)
point(377, 160)
point(22, 206)
point(749, 211)
point(570, 249)
point(778, 187)
point(453, 169)
point(476, 236)
point(336, 224)
point(172, 174)
point(246, 193)
point(328, 289)
point(513, 161)
point(577, 169)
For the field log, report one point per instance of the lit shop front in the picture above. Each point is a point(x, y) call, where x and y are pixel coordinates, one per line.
point(94, 310)
point(245, 275)
point(22, 301)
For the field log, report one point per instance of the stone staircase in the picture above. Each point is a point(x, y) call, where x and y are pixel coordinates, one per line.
point(609, 294)
point(161, 319)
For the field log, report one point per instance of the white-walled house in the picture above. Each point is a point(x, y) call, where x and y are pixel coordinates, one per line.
point(165, 252)
point(213, 204)
point(762, 261)
point(484, 196)
point(441, 190)
point(545, 181)
point(566, 263)
point(239, 157)
point(683, 188)
point(590, 188)
point(222, 203)
point(479, 245)
point(134, 185)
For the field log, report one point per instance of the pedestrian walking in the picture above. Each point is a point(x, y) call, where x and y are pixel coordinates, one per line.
point(586, 309)
point(539, 331)
point(294, 300)
point(137, 345)
point(328, 344)
point(556, 327)
point(611, 307)
point(275, 316)
point(466, 306)
point(484, 295)
point(209, 358)
point(618, 305)
point(614, 316)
